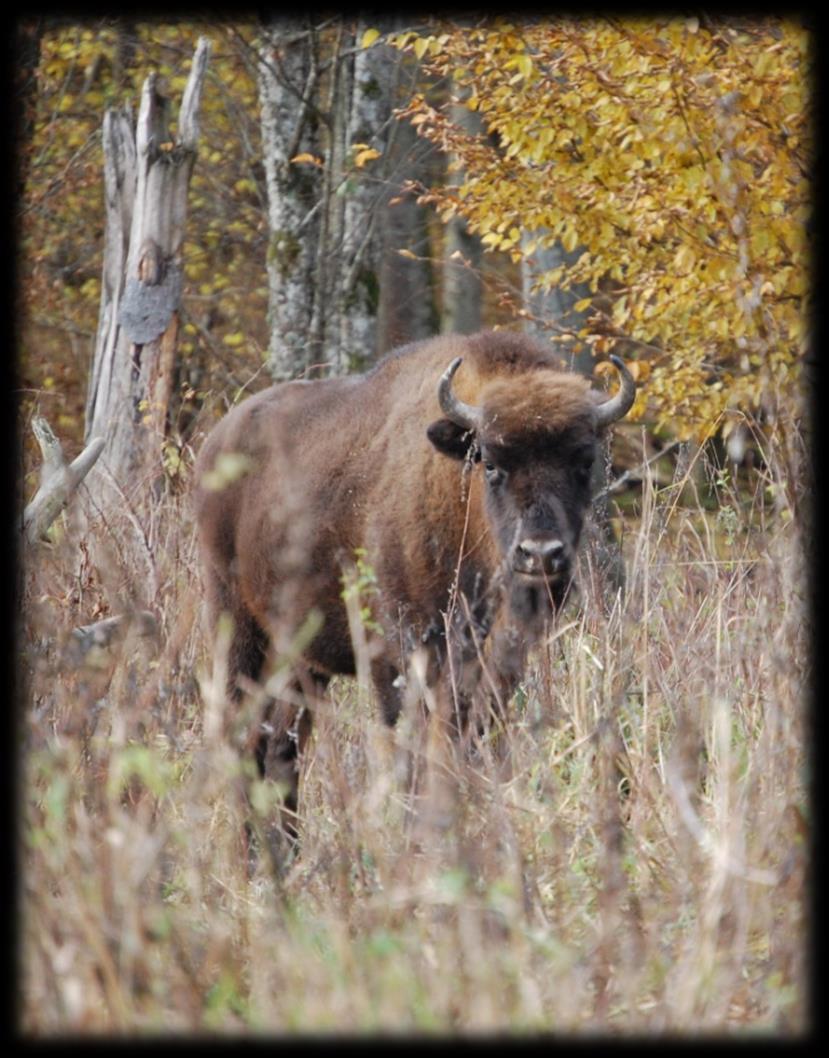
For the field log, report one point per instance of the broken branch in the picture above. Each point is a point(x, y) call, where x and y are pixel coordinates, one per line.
point(58, 481)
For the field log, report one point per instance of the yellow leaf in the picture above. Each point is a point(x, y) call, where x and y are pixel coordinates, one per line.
point(369, 37)
point(408, 253)
point(420, 46)
point(684, 259)
point(309, 158)
point(602, 345)
point(755, 95)
point(764, 63)
point(640, 369)
point(569, 239)
point(367, 155)
point(525, 65)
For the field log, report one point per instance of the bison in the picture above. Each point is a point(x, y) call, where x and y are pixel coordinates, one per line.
point(458, 467)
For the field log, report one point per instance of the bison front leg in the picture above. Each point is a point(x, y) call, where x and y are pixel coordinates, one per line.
point(503, 665)
point(234, 634)
point(278, 745)
point(401, 707)
point(388, 684)
point(448, 700)
point(467, 697)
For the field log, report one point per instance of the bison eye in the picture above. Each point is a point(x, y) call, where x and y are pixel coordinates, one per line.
point(494, 475)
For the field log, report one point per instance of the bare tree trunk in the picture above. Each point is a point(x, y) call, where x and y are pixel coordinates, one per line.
point(333, 93)
point(339, 292)
point(288, 74)
point(462, 289)
point(146, 176)
point(552, 312)
point(373, 82)
point(407, 309)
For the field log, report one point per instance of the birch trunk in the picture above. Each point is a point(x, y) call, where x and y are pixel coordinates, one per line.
point(288, 73)
point(335, 94)
point(146, 177)
point(369, 116)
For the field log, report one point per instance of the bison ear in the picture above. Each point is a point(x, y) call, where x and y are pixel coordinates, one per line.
point(450, 439)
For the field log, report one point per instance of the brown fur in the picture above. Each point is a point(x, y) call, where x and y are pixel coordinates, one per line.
point(346, 463)
point(538, 403)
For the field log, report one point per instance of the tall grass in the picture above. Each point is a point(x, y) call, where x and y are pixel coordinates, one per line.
point(641, 869)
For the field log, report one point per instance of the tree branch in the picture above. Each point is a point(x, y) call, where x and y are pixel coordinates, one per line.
point(58, 481)
point(103, 633)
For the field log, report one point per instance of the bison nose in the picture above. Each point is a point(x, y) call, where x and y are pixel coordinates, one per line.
point(540, 556)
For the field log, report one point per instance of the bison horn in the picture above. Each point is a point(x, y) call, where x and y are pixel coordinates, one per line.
point(465, 415)
point(620, 405)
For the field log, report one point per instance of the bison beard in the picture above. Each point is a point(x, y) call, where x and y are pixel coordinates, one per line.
point(458, 468)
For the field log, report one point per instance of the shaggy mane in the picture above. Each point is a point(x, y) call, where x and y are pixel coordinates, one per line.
point(537, 403)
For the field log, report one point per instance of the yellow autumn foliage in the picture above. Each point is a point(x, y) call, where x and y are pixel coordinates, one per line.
point(676, 153)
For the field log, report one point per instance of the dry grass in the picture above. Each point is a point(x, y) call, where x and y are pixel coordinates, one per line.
point(642, 871)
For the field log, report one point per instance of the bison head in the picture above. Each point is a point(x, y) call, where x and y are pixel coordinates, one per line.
point(534, 436)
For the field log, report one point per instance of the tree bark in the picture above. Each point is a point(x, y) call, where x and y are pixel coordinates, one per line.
point(462, 288)
point(552, 312)
point(407, 309)
point(146, 175)
point(339, 293)
point(288, 74)
point(373, 82)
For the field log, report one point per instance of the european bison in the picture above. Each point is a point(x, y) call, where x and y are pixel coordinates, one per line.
point(459, 467)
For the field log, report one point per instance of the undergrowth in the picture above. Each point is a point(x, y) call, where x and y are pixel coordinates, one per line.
point(642, 869)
